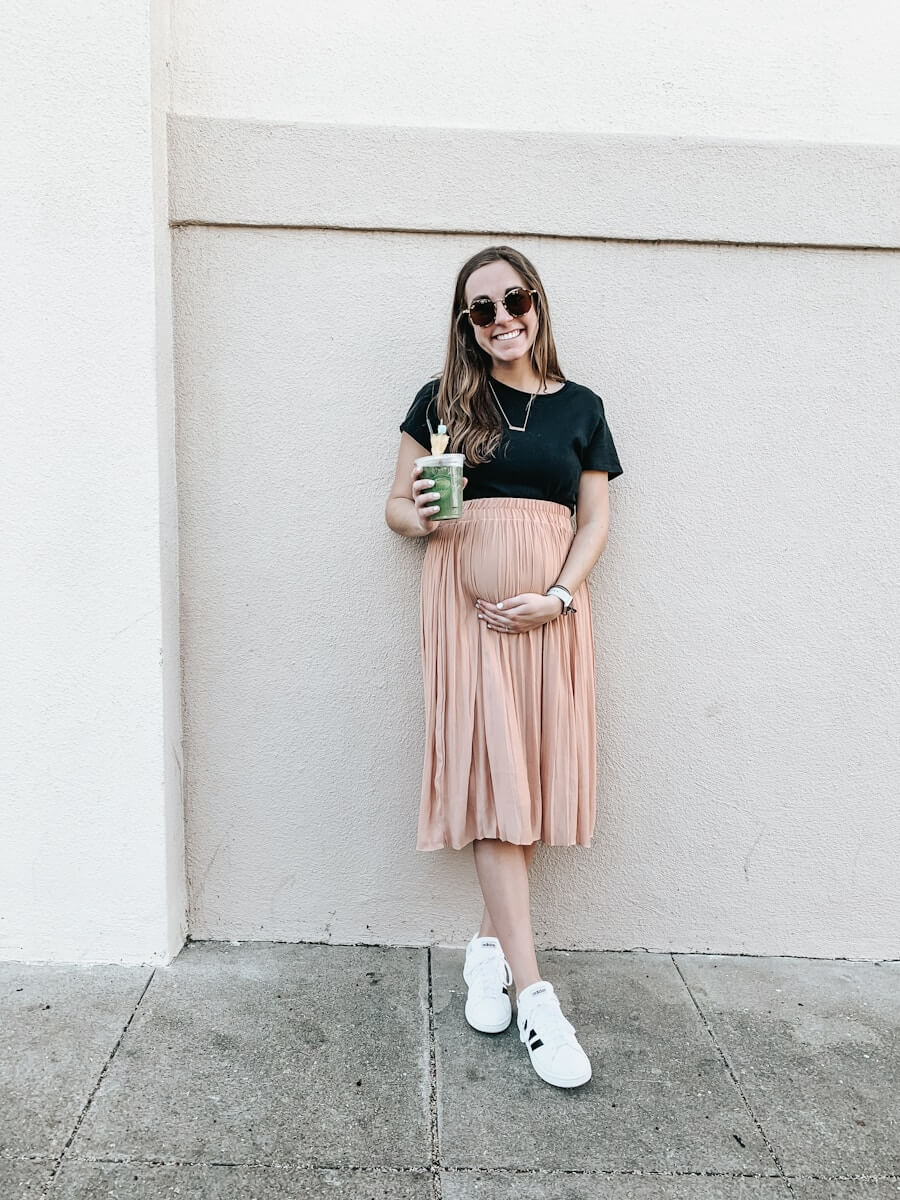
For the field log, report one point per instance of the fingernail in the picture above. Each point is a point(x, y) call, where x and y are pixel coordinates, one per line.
point(500, 605)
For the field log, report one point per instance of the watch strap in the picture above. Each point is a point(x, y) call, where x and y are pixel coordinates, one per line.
point(563, 594)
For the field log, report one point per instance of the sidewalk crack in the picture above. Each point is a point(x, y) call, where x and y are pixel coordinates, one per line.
point(436, 1189)
point(93, 1092)
point(734, 1078)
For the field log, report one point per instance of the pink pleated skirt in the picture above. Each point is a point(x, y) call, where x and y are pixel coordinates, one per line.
point(510, 741)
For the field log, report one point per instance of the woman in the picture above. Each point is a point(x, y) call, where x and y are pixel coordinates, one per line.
point(506, 626)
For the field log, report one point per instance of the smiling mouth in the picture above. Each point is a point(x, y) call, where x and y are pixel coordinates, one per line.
point(508, 335)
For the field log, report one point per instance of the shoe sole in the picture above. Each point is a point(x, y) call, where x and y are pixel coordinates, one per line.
point(563, 1083)
point(490, 1028)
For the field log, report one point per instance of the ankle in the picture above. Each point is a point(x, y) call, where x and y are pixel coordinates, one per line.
point(484, 937)
point(526, 982)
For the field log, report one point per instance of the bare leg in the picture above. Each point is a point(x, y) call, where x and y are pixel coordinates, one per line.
point(503, 875)
point(487, 925)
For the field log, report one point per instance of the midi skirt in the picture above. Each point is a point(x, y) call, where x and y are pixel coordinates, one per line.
point(510, 741)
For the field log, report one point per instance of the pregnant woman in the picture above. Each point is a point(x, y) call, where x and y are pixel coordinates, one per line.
point(507, 642)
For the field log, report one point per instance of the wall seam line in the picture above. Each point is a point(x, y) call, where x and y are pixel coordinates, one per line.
point(561, 237)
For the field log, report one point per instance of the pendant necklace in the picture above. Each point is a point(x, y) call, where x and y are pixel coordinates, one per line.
point(517, 428)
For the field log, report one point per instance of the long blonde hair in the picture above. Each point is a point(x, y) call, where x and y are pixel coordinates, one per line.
point(464, 402)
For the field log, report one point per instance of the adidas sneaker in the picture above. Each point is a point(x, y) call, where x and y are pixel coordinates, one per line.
point(552, 1046)
point(488, 975)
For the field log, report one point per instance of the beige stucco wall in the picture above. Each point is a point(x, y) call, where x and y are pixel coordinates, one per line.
point(811, 69)
point(91, 826)
point(746, 605)
point(704, 191)
point(745, 617)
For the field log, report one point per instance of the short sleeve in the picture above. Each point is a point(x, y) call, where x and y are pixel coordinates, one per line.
point(600, 452)
point(421, 420)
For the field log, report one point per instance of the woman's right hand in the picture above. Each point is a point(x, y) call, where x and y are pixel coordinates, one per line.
point(425, 499)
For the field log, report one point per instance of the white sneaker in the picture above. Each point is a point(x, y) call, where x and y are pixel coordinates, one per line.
point(552, 1046)
point(488, 975)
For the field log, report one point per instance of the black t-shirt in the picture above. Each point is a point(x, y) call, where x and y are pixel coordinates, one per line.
point(567, 433)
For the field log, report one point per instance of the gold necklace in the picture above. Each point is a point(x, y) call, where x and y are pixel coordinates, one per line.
point(517, 428)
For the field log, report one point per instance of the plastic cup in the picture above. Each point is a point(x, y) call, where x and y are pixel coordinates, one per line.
point(447, 472)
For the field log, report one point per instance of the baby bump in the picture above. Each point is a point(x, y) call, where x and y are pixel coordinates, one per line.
point(501, 558)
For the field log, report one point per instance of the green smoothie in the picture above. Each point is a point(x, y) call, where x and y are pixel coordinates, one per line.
point(447, 471)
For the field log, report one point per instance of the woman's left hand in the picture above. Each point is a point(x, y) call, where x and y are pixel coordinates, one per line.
point(518, 614)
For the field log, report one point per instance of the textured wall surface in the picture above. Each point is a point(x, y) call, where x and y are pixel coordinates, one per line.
point(91, 848)
point(747, 603)
point(571, 185)
point(746, 606)
point(820, 70)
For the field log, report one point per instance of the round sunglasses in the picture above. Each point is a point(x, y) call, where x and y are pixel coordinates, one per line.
point(516, 300)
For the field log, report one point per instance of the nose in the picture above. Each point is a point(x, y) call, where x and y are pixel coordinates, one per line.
point(501, 316)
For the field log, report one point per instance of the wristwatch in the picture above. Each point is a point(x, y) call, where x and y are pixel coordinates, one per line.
point(563, 594)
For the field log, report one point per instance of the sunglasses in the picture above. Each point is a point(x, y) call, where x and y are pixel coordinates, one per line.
point(516, 300)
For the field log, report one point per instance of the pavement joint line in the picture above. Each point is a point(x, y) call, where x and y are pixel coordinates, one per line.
point(437, 1190)
point(660, 951)
point(299, 1165)
point(382, 1169)
point(46, 1186)
point(731, 1071)
point(616, 1172)
point(802, 1178)
point(608, 1172)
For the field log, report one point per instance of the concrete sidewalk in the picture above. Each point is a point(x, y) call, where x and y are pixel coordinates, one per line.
point(267, 1070)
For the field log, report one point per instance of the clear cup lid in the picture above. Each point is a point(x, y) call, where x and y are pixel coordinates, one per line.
point(441, 460)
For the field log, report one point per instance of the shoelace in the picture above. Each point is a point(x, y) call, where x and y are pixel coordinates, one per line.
point(546, 1017)
point(489, 975)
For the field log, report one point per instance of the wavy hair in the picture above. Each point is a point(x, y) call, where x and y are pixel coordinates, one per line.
point(464, 402)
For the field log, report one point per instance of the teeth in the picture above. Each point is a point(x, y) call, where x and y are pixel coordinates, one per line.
point(504, 337)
